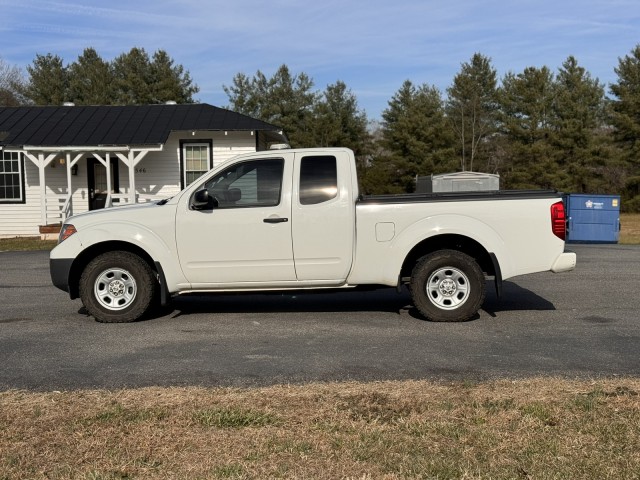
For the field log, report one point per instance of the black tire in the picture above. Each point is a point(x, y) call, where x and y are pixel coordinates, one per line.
point(447, 286)
point(118, 287)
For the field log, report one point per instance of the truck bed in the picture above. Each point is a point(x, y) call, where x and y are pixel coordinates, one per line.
point(459, 196)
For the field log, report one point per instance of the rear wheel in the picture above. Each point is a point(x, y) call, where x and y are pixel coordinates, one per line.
point(117, 287)
point(447, 286)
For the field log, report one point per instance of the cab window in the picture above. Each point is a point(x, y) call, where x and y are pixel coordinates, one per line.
point(318, 179)
point(256, 183)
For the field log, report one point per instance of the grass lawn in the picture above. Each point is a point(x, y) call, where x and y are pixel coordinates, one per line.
point(630, 228)
point(538, 428)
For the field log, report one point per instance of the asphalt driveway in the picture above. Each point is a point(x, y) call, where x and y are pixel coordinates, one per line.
point(585, 323)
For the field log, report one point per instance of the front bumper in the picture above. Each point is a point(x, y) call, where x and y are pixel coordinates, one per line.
point(565, 262)
point(59, 268)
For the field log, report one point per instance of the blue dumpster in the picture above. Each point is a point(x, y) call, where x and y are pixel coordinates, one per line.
point(593, 218)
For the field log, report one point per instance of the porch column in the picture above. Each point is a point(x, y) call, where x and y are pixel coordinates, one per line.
point(68, 204)
point(41, 162)
point(131, 160)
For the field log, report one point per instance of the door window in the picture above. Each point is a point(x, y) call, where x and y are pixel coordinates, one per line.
point(97, 182)
point(256, 183)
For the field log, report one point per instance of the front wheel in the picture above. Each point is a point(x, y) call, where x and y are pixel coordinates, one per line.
point(117, 287)
point(447, 286)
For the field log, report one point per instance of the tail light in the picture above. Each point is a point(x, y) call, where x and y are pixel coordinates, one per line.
point(558, 220)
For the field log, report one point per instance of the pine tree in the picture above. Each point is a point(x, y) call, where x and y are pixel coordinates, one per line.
point(170, 81)
point(132, 72)
point(291, 105)
point(626, 121)
point(284, 100)
point(338, 122)
point(578, 117)
point(48, 81)
point(130, 79)
point(525, 114)
point(90, 80)
point(241, 95)
point(415, 140)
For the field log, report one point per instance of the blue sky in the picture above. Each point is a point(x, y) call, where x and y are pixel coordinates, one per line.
point(373, 46)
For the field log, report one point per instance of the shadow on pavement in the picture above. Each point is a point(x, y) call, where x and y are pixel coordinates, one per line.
point(514, 298)
point(383, 300)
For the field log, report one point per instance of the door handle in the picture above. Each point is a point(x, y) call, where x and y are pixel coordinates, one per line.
point(275, 220)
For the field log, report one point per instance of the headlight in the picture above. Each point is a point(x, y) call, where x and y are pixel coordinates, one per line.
point(66, 231)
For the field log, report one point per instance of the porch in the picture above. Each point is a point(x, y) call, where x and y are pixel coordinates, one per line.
point(55, 208)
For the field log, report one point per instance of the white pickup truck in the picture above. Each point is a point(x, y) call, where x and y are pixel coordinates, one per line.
point(292, 220)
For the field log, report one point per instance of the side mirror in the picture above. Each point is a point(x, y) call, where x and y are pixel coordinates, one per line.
point(202, 201)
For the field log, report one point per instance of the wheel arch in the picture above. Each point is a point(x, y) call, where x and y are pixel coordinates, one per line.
point(450, 241)
point(83, 259)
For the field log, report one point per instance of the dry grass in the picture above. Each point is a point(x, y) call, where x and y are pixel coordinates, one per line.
point(26, 243)
point(543, 428)
point(630, 228)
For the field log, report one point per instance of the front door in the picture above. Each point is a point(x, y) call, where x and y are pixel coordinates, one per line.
point(244, 238)
point(97, 182)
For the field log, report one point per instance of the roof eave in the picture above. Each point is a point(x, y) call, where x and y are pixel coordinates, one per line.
point(93, 148)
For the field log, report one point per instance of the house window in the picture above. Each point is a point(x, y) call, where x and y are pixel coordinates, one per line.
point(196, 158)
point(11, 178)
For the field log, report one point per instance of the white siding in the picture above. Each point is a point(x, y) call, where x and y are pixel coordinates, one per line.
point(158, 175)
point(24, 218)
point(231, 144)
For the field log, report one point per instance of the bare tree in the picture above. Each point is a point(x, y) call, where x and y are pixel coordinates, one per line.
point(11, 85)
point(471, 106)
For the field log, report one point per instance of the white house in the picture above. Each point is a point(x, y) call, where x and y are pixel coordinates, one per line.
point(57, 161)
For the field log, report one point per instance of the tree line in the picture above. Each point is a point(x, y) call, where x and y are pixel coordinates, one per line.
point(537, 128)
point(133, 77)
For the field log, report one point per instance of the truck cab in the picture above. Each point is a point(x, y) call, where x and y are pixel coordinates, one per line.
point(251, 224)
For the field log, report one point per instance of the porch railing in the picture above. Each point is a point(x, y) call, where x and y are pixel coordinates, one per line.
point(57, 208)
point(59, 205)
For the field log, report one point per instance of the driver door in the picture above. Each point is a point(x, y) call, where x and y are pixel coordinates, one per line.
point(244, 237)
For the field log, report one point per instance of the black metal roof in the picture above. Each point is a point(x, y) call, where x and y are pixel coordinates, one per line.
point(76, 126)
